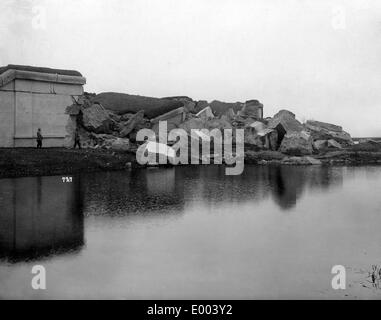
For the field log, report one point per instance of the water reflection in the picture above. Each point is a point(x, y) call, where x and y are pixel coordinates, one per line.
point(191, 232)
point(139, 192)
point(40, 216)
point(167, 191)
point(284, 184)
point(289, 183)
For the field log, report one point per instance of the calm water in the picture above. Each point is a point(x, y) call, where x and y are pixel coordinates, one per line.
point(192, 232)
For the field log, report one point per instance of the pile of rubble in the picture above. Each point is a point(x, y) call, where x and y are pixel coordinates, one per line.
point(100, 127)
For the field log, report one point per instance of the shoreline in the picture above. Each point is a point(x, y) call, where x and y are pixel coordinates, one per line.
point(31, 162)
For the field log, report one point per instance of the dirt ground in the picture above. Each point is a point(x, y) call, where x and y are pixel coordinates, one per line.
point(22, 162)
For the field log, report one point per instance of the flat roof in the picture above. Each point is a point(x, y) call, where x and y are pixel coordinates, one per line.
point(12, 72)
point(40, 69)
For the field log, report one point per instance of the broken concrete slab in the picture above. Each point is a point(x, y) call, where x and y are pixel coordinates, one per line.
point(320, 144)
point(194, 123)
point(73, 110)
point(150, 151)
point(252, 109)
point(258, 126)
point(219, 107)
point(261, 137)
point(333, 144)
point(297, 143)
point(206, 113)
point(215, 123)
point(285, 122)
point(131, 124)
point(121, 103)
point(324, 125)
point(175, 117)
point(326, 131)
point(190, 106)
point(97, 119)
point(231, 114)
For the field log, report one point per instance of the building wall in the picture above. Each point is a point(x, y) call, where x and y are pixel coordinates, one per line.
point(42, 105)
point(7, 111)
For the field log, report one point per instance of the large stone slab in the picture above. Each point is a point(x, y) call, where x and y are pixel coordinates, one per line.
point(97, 119)
point(285, 121)
point(297, 143)
point(134, 121)
point(326, 131)
point(206, 113)
point(252, 109)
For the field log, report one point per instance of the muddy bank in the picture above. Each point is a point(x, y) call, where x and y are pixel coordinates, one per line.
point(23, 162)
point(342, 157)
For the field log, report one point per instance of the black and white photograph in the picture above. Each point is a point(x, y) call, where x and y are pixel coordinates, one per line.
point(180, 150)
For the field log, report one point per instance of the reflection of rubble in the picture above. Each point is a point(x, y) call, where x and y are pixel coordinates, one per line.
point(100, 127)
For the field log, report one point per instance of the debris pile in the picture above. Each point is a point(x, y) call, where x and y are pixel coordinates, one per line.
point(112, 120)
point(331, 134)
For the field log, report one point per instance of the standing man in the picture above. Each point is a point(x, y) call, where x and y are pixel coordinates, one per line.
point(39, 139)
point(77, 139)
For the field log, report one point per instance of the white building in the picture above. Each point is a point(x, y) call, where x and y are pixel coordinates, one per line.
point(32, 98)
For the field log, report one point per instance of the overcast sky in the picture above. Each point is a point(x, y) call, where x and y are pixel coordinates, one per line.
point(319, 59)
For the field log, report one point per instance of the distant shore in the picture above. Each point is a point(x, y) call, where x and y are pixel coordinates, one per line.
point(25, 162)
